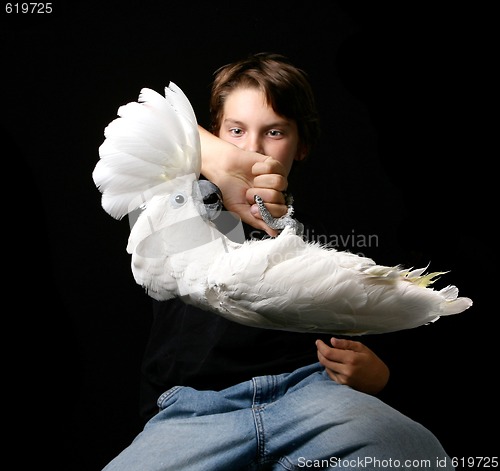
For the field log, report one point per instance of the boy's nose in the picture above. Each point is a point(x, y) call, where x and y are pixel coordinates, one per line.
point(254, 144)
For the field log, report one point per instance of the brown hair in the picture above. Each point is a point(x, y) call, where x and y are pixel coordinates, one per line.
point(286, 88)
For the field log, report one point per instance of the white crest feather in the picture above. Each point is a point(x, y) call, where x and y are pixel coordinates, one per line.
point(152, 141)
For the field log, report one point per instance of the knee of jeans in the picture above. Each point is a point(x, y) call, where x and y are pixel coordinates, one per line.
point(388, 426)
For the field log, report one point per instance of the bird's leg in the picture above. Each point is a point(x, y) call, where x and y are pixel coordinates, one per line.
point(284, 221)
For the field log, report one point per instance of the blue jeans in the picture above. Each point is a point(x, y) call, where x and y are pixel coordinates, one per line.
point(300, 420)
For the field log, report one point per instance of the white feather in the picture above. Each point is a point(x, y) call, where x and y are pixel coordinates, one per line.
point(152, 142)
point(151, 160)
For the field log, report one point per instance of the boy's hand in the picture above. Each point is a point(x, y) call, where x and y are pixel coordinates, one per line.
point(354, 364)
point(241, 175)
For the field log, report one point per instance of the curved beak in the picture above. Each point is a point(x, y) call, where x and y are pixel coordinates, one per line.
point(212, 198)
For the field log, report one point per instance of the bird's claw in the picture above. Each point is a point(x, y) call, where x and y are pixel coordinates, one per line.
point(284, 221)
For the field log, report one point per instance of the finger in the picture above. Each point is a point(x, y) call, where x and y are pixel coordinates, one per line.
point(274, 202)
point(327, 363)
point(276, 210)
point(259, 222)
point(268, 195)
point(267, 166)
point(327, 352)
point(336, 356)
point(246, 216)
point(273, 181)
point(345, 344)
point(333, 368)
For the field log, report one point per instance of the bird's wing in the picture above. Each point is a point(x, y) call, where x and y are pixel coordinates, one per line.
point(152, 141)
point(289, 284)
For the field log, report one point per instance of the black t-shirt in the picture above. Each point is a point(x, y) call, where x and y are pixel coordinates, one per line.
point(200, 349)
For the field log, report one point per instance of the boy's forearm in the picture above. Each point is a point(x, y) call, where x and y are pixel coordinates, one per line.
point(214, 151)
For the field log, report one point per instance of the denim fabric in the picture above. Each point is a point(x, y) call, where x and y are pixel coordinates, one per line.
point(300, 420)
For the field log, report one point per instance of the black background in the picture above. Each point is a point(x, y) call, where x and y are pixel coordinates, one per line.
point(404, 98)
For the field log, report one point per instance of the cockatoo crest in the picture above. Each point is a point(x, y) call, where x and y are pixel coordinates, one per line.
point(152, 142)
point(150, 163)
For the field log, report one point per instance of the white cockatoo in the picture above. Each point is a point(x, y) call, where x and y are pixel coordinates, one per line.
point(149, 168)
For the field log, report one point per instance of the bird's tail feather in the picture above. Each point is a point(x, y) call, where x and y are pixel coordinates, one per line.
point(452, 304)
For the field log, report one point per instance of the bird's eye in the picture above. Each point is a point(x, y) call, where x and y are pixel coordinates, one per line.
point(177, 200)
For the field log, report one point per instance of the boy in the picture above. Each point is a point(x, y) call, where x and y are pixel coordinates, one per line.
point(235, 397)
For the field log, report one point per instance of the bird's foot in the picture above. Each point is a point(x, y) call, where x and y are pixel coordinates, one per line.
point(284, 221)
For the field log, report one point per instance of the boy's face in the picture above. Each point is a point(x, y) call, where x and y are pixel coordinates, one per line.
point(251, 124)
